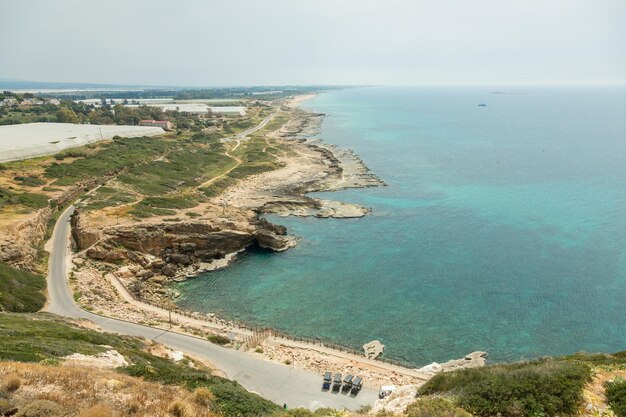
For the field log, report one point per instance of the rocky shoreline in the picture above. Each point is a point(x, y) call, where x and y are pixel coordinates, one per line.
point(147, 256)
point(157, 251)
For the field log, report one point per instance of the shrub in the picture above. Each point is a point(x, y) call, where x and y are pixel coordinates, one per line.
point(231, 399)
point(544, 387)
point(299, 412)
point(133, 406)
point(218, 340)
point(203, 397)
point(435, 407)
point(98, 410)
point(5, 407)
point(11, 383)
point(30, 181)
point(616, 396)
point(40, 408)
point(364, 409)
point(181, 409)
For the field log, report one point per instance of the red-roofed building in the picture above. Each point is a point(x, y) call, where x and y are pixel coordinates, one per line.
point(164, 124)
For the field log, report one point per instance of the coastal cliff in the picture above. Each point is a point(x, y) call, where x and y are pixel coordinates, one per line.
point(175, 249)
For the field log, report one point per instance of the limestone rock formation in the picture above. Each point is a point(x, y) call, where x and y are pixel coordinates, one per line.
point(373, 349)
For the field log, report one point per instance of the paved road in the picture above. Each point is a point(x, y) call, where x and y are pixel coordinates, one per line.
point(253, 129)
point(276, 382)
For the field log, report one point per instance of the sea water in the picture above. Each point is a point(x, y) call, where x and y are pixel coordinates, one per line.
point(502, 228)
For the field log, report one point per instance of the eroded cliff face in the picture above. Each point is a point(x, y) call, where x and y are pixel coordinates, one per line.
point(175, 249)
point(18, 242)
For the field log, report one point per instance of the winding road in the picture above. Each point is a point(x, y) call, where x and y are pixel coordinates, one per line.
point(279, 383)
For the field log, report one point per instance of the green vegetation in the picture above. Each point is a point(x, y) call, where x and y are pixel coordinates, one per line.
point(539, 388)
point(108, 157)
point(70, 153)
point(616, 396)
point(29, 181)
point(162, 206)
point(218, 340)
point(143, 212)
point(108, 197)
point(276, 123)
point(231, 399)
point(303, 412)
point(435, 407)
point(217, 186)
point(45, 338)
point(20, 291)
point(598, 359)
point(239, 125)
point(255, 158)
point(45, 113)
point(24, 199)
point(185, 167)
point(34, 338)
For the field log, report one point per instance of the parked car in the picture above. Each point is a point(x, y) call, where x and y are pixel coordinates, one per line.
point(337, 382)
point(347, 383)
point(386, 391)
point(327, 381)
point(357, 384)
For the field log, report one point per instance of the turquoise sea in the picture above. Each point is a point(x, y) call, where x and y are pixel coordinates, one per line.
point(503, 229)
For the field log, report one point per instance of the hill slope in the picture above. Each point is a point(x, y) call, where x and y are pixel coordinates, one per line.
point(20, 291)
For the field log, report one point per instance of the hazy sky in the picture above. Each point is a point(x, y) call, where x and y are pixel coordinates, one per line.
point(245, 42)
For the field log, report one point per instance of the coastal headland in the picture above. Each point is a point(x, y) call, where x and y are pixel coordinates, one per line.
point(179, 205)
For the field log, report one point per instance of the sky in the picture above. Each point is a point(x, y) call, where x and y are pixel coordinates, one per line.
point(279, 42)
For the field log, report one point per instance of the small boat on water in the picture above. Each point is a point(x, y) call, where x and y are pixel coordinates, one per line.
point(482, 105)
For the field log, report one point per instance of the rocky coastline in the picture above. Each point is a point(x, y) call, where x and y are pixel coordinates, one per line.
point(145, 257)
point(156, 252)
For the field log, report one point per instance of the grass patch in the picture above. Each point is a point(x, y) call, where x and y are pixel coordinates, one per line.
point(110, 156)
point(616, 396)
point(218, 340)
point(541, 388)
point(30, 181)
point(187, 167)
point(33, 338)
point(162, 206)
point(181, 202)
point(598, 359)
point(237, 126)
point(218, 186)
point(70, 153)
point(248, 169)
point(20, 291)
point(27, 200)
point(276, 123)
point(230, 398)
point(51, 189)
point(45, 338)
point(108, 197)
point(142, 212)
point(435, 407)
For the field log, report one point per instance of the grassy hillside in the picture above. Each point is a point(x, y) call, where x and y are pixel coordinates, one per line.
point(45, 338)
point(20, 291)
point(546, 387)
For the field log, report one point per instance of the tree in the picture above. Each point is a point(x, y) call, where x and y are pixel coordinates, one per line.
point(66, 116)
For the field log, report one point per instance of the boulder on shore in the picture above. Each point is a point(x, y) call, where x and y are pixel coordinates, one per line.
point(373, 349)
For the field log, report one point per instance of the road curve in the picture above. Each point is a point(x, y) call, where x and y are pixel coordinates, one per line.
point(274, 381)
